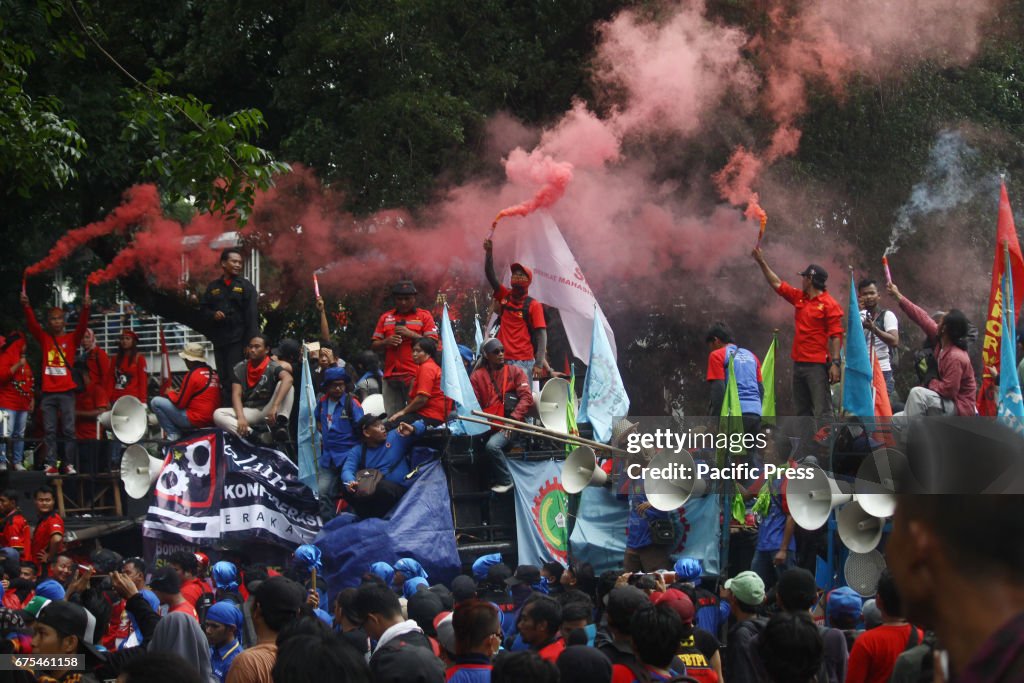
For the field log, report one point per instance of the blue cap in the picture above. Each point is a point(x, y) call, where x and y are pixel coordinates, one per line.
point(483, 563)
point(50, 589)
point(410, 587)
point(688, 569)
point(225, 575)
point(335, 374)
point(225, 612)
point(844, 602)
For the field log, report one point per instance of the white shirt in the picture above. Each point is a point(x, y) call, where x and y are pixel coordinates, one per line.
point(887, 323)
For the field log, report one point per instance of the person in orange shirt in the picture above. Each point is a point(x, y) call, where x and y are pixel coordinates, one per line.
point(192, 406)
point(426, 400)
point(128, 370)
point(48, 538)
point(817, 337)
point(396, 331)
point(186, 565)
point(167, 587)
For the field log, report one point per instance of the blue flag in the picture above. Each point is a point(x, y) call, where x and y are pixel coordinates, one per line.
point(454, 380)
point(604, 395)
point(857, 398)
point(1010, 408)
point(478, 334)
point(309, 436)
point(541, 511)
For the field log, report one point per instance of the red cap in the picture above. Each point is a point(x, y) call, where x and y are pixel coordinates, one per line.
point(677, 600)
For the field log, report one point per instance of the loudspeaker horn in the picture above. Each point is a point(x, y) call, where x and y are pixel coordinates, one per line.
point(879, 477)
point(812, 500)
point(139, 470)
point(374, 404)
point(551, 403)
point(859, 530)
point(580, 471)
point(128, 420)
point(862, 571)
point(672, 493)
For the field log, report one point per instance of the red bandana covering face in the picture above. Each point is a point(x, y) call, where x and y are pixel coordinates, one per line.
point(254, 372)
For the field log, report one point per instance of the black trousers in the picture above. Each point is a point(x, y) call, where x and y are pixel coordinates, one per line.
point(812, 394)
point(379, 504)
point(227, 356)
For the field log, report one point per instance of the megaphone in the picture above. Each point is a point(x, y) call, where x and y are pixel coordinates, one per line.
point(811, 500)
point(879, 476)
point(551, 404)
point(667, 494)
point(859, 530)
point(139, 470)
point(862, 571)
point(373, 405)
point(128, 420)
point(580, 471)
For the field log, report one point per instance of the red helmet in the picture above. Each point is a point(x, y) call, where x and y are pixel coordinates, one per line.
point(204, 563)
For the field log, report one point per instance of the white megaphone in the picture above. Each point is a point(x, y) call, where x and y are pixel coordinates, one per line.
point(373, 404)
point(672, 492)
point(139, 470)
point(862, 571)
point(811, 500)
point(580, 471)
point(128, 419)
point(877, 479)
point(551, 403)
point(859, 530)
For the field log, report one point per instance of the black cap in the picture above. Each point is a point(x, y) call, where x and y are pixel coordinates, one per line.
point(797, 589)
point(623, 602)
point(106, 560)
point(280, 596)
point(404, 288)
point(165, 580)
point(368, 420)
point(525, 573)
point(463, 588)
point(69, 619)
point(498, 573)
point(817, 274)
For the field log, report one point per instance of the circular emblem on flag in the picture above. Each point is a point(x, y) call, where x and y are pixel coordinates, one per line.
point(681, 545)
point(549, 507)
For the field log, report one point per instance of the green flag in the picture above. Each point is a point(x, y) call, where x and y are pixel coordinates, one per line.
point(731, 420)
point(768, 382)
point(570, 410)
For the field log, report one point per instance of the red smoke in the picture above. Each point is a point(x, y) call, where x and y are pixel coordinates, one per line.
point(536, 168)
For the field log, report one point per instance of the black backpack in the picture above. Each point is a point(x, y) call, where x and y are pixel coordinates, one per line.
point(524, 311)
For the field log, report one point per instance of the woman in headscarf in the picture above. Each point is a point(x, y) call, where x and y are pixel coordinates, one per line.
point(180, 634)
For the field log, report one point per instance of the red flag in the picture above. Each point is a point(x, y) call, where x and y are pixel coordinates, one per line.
point(165, 363)
point(1006, 233)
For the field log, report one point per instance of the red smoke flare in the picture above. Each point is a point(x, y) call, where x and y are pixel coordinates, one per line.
point(755, 212)
point(554, 177)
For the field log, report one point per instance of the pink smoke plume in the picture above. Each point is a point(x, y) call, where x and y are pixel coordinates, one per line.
point(535, 168)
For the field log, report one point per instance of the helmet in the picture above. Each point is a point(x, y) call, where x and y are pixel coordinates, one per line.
point(204, 563)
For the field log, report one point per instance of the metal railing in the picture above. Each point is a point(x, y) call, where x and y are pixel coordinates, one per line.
point(108, 328)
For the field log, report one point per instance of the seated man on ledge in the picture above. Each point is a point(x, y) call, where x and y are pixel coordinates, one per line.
point(261, 391)
point(380, 450)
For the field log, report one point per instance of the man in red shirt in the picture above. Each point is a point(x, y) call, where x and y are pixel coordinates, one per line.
point(539, 625)
point(167, 587)
point(522, 329)
point(90, 404)
point(58, 383)
point(396, 330)
point(817, 338)
point(186, 566)
point(16, 398)
point(191, 407)
point(874, 652)
point(13, 526)
point(48, 538)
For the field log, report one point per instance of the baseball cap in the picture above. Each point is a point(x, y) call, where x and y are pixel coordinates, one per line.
point(815, 272)
point(50, 589)
point(525, 573)
point(334, 374)
point(678, 601)
point(796, 589)
point(463, 588)
point(404, 288)
point(445, 631)
point(872, 615)
point(69, 619)
point(165, 580)
point(844, 602)
point(747, 587)
point(623, 602)
point(280, 596)
point(368, 420)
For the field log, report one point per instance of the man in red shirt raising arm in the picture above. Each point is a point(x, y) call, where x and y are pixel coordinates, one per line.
point(58, 384)
point(522, 330)
point(816, 340)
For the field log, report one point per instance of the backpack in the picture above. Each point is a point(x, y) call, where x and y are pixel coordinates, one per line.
point(203, 605)
point(926, 365)
point(524, 311)
point(894, 351)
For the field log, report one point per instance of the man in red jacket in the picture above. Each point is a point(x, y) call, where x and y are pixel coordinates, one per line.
point(192, 406)
point(58, 383)
point(14, 528)
point(492, 383)
point(16, 398)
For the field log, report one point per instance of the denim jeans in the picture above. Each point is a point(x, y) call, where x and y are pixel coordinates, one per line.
point(327, 484)
point(173, 420)
point(497, 463)
point(764, 566)
point(14, 428)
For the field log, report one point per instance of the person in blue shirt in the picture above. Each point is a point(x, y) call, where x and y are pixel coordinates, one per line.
point(222, 626)
point(748, 377)
point(337, 414)
point(776, 544)
point(135, 569)
point(642, 553)
point(385, 451)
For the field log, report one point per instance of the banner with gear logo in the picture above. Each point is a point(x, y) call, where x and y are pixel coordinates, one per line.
point(541, 511)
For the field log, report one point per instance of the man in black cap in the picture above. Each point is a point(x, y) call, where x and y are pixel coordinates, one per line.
point(817, 338)
point(276, 603)
point(63, 628)
point(386, 452)
point(396, 330)
point(229, 306)
point(797, 592)
point(166, 584)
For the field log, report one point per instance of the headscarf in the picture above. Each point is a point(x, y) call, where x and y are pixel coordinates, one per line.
point(384, 570)
point(225, 576)
point(180, 634)
point(410, 568)
point(483, 563)
point(688, 570)
point(227, 613)
point(411, 585)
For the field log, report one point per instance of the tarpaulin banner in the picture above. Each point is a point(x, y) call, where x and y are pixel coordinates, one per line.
point(420, 527)
point(541, 511)
point(215, 486)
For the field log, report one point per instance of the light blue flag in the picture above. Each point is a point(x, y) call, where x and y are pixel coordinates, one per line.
point(858, 398)
point(454, 380)
point(604, 395)
point(478, 334)
point(309, 436)
point(1010, 408)
point(541, 511)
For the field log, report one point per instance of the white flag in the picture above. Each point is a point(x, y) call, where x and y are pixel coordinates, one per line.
point(558, 280)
